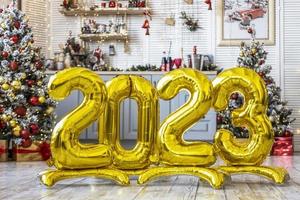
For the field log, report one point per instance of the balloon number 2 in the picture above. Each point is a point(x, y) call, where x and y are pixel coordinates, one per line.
point(161, 151)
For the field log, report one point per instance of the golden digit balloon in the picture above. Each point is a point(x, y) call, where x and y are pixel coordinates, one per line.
point(66, 150)
point(174, 150)
point(140, 90)
point(253, 115)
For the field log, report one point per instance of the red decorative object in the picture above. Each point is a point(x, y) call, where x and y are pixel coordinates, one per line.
point(141, 4)
point(34, 101)
point(26, 143)
point(34, 129)
point(17, 24)
point(208, 2)
point(2, 124)
point(250, 30)
point(4, 54)
point(45, 150)
point(30, 83)
point(14, 66)
point(283, 146)
point(14, 39)
point(1, 10)
point(20, 110)
point(25, 134)
point(146, 26)
point(234, 96)
point(1, 109)
point(112, 4)
point(38, 64)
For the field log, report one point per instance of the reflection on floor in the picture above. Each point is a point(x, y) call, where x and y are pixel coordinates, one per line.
point(19, 181)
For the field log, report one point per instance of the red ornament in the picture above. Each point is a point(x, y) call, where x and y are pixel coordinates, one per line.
point(1, 10)
point(288, 133)
point(17, 24)
point(112, 4)
point(4, 54)
point(250, 30)
point(283, 146)
point(26, 143)
point(2, 125)
point(20, 110)
point(261, 74)
point(14, 66)
point(146, 24)
point(208, 2)
point(1, 109)
point(34, 129)
point(39, 64)
point(34, 101)
point(261, 62)
point(30, 83)
point(219, 119)
point(45, 150)
point(25, 134)
point(14, 39)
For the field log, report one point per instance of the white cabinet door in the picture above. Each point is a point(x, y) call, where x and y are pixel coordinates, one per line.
point(131, 117)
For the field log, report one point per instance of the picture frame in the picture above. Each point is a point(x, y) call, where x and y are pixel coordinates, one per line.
point(234, 17)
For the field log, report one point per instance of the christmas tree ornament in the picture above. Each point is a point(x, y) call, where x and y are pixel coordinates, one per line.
point(14, 65)
point(50, 110)
point(191, 24)
point(20, 111)
point(38, 64)
point(14, 39)
point(34, 129)
point(42, 100)
point(2, 80)
point(13, 123)
point(6, 118)
point(23, 76)
point(26, 143)
point(30, 83)
point(17, 24)
point(4, 54)
point(17, 131)
point(34, 101)
point(3, 124)
point(25, 134)
point(146, 26)
point(16, 85)
point(5, 86)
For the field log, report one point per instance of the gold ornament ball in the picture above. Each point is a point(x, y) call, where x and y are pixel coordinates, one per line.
point(16, 85)
point(242, 54)
point(253, 51)
point(5, 86)
point(39, 83)
point(16, 131)
point(6, 118)
point(42, 99)
point(13, 123)
point(49, 110)
point(23, 76)
point(2, 80)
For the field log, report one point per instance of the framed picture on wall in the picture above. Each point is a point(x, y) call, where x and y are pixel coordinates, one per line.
point(234, 17)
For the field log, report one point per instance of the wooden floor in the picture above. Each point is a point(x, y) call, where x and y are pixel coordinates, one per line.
point(20, 181)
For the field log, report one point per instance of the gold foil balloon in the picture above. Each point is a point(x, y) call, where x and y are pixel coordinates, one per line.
point(66, 150)
point(252, 115)
point(141, 90)
point(173, 149)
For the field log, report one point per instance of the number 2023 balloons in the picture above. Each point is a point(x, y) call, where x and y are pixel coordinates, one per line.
point(160, 150)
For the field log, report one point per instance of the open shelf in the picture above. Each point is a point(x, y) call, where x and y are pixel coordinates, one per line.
point(105, 11)
point(103, 37)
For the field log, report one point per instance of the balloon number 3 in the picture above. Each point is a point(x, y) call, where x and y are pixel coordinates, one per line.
point(160, 151)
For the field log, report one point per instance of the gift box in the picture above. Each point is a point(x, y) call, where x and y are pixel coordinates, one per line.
point(283, 146)
point(3, 150)
point(39, 151)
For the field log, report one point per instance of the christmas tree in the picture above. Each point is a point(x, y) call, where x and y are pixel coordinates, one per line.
point(253, 56)
point(26, 111)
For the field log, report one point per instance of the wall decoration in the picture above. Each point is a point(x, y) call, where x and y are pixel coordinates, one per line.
point(189, 22)
point(235, 17)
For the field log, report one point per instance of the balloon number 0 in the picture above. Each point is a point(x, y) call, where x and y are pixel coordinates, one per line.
point(160, 151)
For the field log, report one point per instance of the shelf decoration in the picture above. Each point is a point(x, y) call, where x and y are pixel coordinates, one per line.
point(191, 24)
point(208, 2)
point(143, 68)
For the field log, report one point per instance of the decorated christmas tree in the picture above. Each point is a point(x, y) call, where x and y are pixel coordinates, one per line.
point(254, 56)
point(26, 109)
